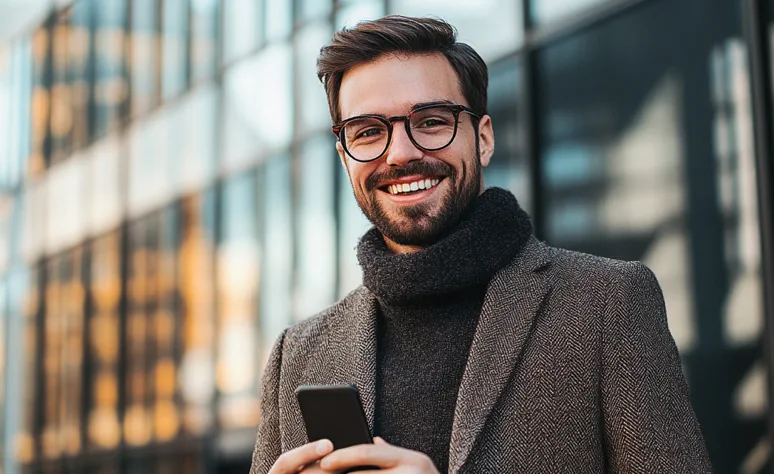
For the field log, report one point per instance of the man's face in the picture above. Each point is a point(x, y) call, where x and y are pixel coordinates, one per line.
point(391, 86)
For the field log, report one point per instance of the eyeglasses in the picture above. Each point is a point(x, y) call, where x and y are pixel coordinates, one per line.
point(430, 128)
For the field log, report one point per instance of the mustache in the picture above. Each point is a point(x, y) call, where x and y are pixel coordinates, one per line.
point(421, 167)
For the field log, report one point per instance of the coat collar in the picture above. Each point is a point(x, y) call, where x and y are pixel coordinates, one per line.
point(512, 300)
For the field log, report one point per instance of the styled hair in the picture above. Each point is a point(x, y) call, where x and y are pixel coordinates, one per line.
point(370, 40)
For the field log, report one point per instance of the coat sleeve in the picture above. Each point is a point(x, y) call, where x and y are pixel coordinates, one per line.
point(268, 445)
point(648, 420)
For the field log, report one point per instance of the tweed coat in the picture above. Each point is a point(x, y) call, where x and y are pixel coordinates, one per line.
point(572, 369)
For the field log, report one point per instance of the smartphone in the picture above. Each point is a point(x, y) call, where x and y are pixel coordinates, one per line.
point(334, 412)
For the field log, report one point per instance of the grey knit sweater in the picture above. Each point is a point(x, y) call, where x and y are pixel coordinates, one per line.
point(429, 303)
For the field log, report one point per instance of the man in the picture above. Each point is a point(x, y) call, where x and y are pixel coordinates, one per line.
point(475, 347)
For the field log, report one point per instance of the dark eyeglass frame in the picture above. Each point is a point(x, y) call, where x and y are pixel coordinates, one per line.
point(456, 109)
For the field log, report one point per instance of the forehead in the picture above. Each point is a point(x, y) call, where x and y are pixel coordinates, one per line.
point(391, 84)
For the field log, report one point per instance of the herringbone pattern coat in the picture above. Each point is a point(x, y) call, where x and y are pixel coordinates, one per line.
point(572, 370)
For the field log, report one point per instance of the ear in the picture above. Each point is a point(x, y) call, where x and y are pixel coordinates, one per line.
point(486, 140)
point(342, 155)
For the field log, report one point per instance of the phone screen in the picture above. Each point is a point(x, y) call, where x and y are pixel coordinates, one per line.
point(333, 412)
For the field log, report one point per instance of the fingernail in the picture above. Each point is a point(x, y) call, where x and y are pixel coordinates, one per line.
point(323, 446)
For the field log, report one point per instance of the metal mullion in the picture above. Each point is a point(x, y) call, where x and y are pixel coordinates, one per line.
point(529, 114)
point(755, 16)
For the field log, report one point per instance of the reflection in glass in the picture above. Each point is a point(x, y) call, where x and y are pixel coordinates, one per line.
point(314, 105)
point(279, 19)
point(27, 438)
point(352, 225)
point(174, 43)
point(110, 88)
point(546, 11)
point(313, 9)
point(78, 66)
point(61, 118)
point(40, 105)
point(315, 281)
point(238, 265)
point(144, 56)
point(103, 428)
point(509, 168)
point(258, 106)
point(143, 253)
point(164, 331)
point(204, 39)
point(351, 13)
point(243, 27)
point(196, 273)
point(475, 22)
point(275, 196)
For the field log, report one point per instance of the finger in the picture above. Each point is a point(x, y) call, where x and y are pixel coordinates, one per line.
point(380, 440)
point(293, 460)
point(377, 455)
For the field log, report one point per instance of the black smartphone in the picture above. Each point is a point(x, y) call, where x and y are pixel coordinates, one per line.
point(333, 412)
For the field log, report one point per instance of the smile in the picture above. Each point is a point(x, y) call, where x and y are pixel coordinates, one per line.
point(414, 186)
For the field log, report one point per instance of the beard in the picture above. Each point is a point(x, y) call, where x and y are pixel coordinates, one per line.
point(425, 223)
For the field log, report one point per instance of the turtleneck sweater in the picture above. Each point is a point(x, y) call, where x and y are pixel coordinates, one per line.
point(429, 305)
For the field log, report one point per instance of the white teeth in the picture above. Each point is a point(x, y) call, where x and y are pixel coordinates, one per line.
point(411, 187)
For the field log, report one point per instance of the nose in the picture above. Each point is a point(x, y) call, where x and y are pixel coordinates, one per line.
point(402, 151)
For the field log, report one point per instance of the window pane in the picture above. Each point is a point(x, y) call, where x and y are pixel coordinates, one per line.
point(28, 436)
point(315, 282)
point(144, 63)
point(197, 293)
point(509, 167)
point(350, 14)
point(352, 225)
point(175, 31)
point(164, 328)
point(61, 118)
point(545, 11)
point(275, 196)
point(313, 9)
point(78, 66)
point(279, 19)
point(40, 105)
point(243, 27)
point(204, 39)
point(314, 105)
point(258, 106)
point(647, 155)
point(143, 253)
point(475, 22)
point(103, 427)
point(238, 284)
point(110, 89)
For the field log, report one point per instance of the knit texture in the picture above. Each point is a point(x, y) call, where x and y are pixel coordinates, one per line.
point(429, 304)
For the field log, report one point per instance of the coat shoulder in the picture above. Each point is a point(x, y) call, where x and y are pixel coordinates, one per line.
point(336, 317)
point(585, 269)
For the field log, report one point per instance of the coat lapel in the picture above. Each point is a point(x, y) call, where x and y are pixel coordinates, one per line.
point(513, 299)
point(362, 371)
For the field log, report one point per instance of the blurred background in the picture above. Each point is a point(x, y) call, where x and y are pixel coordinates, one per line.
point(170, 200)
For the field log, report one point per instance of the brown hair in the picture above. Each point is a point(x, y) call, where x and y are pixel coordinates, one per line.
point(400, 34)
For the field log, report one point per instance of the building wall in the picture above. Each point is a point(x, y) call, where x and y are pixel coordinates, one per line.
point(171, 200)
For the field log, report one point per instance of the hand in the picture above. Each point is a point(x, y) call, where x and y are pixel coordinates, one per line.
point(381, 454)
point(302, 459)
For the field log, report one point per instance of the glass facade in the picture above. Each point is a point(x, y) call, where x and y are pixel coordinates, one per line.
point(171, 200)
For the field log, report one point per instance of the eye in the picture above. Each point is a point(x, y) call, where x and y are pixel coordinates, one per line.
point(432, 122)
point(369, 132)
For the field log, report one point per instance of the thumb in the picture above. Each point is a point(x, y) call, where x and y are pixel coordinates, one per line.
point(380, 440)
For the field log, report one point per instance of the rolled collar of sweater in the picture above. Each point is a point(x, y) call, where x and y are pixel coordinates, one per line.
point(487, 237)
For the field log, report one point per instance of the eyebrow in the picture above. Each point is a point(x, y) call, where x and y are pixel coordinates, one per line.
point(414, 107)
